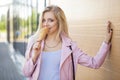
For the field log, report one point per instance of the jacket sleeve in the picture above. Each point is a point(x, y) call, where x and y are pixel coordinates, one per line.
point(29, 66)
point(92, 62)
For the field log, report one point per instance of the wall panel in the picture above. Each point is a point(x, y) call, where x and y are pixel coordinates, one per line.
point(87, 24)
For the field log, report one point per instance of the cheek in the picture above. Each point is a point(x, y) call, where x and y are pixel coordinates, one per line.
point(53, 29)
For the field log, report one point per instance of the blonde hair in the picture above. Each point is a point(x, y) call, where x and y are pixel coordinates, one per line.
point(61, 19)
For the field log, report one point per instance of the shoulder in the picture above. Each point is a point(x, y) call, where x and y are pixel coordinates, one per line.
point(74, 45)
point(30, 41)
point(68, 41)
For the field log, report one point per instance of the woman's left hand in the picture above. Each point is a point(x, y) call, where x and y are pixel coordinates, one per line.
point(109, 33)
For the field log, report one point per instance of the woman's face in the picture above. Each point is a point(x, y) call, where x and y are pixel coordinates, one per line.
point(50, 21)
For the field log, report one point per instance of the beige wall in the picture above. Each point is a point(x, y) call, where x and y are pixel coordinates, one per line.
point(87, 24)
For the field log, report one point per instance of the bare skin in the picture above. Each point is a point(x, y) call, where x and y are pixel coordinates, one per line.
point(109, 33)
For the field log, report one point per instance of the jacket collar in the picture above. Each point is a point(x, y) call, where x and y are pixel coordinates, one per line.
point(65, 39)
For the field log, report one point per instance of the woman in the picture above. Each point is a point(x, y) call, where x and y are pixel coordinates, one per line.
point(48, 54)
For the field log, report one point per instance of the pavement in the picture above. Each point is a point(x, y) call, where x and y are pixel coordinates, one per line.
point(11, 63)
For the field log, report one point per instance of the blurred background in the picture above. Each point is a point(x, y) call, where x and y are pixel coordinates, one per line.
point(87, 20)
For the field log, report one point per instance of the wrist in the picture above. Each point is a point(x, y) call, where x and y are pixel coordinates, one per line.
point(39, 41)
point(34, 59)
point(106, 41)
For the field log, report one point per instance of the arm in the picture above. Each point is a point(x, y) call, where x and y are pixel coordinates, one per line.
point(96, 61)
point(31, 59)
point(92, 62)
point(33, 52)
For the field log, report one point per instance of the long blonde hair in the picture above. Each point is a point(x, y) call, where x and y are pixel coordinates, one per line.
point(61, 19)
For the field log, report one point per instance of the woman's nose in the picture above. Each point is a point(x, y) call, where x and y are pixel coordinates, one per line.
point(45, 23)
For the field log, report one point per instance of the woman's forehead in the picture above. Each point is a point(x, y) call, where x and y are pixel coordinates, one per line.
point(49, 14)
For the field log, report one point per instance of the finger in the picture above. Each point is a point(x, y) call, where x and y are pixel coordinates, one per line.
point(36, 48)
point(109, 26)
point(36, 45)
point(111, 31)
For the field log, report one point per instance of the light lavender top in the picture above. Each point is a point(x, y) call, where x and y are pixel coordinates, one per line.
point(50, 66)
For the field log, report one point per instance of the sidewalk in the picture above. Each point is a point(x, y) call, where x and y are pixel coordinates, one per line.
point(11, 63)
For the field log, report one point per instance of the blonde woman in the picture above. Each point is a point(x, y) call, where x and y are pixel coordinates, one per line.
point(48, 53)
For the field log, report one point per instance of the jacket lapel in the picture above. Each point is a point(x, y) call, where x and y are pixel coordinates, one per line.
point(65, 49)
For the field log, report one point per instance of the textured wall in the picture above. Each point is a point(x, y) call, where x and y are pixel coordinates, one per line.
point(87, 24)
point(89, 36)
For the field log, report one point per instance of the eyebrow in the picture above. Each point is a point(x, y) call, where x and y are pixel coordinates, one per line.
point(49, 18)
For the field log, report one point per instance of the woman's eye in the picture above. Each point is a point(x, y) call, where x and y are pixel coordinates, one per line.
point(50, 20)
point(43, 20)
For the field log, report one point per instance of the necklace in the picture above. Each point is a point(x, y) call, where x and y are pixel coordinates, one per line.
point(52, 46)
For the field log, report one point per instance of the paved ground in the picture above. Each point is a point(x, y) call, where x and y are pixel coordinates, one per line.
point(10, 63)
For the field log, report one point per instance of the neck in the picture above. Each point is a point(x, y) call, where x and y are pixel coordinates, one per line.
point(52, 42)
point(52, 37)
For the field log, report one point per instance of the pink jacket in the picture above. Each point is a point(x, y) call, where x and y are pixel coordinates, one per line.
point(32, 71)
